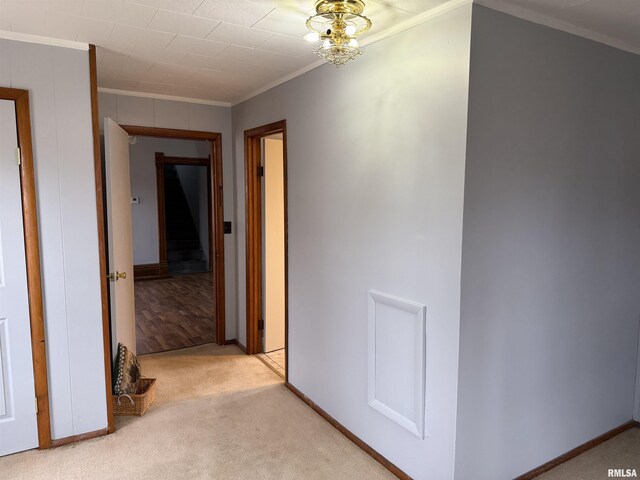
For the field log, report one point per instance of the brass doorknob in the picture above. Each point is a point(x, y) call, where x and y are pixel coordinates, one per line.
point(114, 277)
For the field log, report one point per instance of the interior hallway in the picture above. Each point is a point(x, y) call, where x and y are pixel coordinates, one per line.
point(177, 312)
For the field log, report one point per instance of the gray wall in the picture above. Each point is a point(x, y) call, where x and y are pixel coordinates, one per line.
point(58, 84)
point(551, 257)
point(150, 112)
point(144, 216)
point(375, 177)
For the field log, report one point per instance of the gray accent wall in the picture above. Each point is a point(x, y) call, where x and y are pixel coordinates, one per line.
point(551, 247)
point(152, 112)
point(58, 83)
point(376, 158)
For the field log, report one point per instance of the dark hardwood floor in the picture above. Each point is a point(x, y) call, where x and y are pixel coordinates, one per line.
point(174, 313)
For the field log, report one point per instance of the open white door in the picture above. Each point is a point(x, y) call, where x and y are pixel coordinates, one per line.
point(273, 246)
point(118, 192)
point(18, 423)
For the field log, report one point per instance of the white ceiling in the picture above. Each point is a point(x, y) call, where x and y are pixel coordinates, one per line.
point(223, 50)
point(219, 50)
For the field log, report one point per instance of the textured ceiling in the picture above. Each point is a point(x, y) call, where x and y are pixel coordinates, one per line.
point(223, 50)
point(217, 50)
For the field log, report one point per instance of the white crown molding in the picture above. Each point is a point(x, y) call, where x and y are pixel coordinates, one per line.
point(388, 32)
point(159, 96)
point(55, 42)
point(525, 14)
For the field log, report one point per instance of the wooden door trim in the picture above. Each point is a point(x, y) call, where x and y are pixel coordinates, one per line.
point(161, 161)
point(217, 204)
point(104, 295)
point(253, 205)
point(32, 257)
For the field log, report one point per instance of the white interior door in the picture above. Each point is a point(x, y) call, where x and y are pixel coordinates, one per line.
point(273, 257)
point(118, 192)
point(18, 424)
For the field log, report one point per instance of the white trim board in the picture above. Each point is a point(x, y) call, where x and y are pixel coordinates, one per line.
point(54, 42)
point(525, 14)
point(159, 96)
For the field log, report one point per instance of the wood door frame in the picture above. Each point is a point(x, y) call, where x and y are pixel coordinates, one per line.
point(102, 252)
point(161, 161)
point(253, 205)
point(217, 206)
point(32, 258)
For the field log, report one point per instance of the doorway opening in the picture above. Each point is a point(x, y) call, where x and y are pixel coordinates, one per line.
point(185, 225)
point(267, 262)
point(176, 247)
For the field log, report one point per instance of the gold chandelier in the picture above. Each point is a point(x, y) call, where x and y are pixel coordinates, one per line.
point(336, 25)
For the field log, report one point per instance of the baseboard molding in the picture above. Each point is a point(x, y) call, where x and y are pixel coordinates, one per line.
point(78, 438)
point(351, 436)
point(150, 271)
point(565, 457)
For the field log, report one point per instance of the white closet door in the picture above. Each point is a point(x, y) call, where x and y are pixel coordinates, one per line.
point(18, 424)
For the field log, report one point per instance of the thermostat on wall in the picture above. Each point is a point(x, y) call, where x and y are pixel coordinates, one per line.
point(135, 200)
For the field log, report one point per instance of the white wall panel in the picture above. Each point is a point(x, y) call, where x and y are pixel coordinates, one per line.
point(58, 84)
point(31, 68)
point(80, 236)
point(397, 353)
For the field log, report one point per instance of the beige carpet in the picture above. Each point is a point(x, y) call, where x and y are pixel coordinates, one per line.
point(219, 415)
point(622, 451)
point(223, 415)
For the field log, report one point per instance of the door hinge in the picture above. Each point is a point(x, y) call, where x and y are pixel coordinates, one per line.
point(18, 156)
point(260, 324)
point(37, 409)
point(260, 171)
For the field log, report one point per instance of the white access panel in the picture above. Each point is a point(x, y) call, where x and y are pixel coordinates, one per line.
point(18, 424)
point(397, 355)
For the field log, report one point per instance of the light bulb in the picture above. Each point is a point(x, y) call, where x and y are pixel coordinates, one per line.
point(312, 37)
point(353, 43)
point(350, 30)
point(326, 43)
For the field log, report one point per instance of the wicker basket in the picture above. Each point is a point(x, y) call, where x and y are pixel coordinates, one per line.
point(135, 403)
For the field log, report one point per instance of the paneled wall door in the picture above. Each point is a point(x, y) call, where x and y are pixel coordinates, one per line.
point(18, 422)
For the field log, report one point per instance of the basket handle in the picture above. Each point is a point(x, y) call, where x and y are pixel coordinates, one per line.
point(125, 395)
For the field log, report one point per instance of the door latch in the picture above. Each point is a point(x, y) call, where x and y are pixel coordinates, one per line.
point(114, 277)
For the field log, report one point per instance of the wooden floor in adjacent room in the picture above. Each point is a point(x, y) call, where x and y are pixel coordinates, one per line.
point(177, 312)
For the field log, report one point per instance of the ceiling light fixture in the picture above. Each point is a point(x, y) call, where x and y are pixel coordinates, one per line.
point(336, 24)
